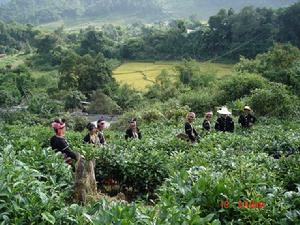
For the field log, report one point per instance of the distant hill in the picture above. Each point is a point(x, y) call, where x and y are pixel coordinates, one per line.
point(45, 11)
point(203, 9)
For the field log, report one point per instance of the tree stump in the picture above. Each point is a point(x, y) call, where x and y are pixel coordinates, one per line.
point(85, 182)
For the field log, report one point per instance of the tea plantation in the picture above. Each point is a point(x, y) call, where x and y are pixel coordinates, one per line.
point(165, 180)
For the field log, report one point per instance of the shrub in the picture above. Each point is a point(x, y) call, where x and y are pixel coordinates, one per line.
point(173, 111)
point(103, 104)
point(35, 181)
point(280, 64)
point(126, 97)
point(21, 117)
point(237, 106)
point(46, 80)
point(122, 123)
point(201, 100)
point(203, 79)
point(187, 70)
point(152, 115)
point(9, 95)
point(289, 171)
point(73, 100)
point(164, 87)
point(238, 86)
point(77, 123)
point(14, 84)
point(142, 168)
point(41, 104)
point(145, 115)
point(275, 101)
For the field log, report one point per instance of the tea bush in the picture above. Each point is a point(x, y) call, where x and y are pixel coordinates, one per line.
point(177, 183)
point(34, 183)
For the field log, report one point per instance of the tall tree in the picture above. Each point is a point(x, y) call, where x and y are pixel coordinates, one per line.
point(45, 43)
point(85, 73)
point(289, 20)
point(92, 42)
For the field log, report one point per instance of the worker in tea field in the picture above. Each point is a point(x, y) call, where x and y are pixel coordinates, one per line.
point(133, 131)
point(189, 129)
point(206, 125)
point(101, 127)
point(58, 141)
point(224, 122)
point(92, 137)
point(247, 119)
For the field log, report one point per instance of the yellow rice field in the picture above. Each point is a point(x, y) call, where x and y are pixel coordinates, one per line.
point(139, 75)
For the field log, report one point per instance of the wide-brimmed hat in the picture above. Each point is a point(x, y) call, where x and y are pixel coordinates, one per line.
point(247, 108)
point(224, 111)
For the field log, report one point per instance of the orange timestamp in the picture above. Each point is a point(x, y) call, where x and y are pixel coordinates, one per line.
point(244, 204)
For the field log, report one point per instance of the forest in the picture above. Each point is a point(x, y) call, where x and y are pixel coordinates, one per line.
point(44, 11)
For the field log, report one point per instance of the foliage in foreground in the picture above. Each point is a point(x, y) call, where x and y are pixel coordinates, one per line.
point(189, 182)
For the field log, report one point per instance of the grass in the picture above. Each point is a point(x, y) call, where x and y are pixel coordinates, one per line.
point(36, 74)
point(141, 74)
point(43, 77)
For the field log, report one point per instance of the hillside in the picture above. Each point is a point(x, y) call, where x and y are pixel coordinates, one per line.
point(204, 8)
point(45, 11)
point(155, 163)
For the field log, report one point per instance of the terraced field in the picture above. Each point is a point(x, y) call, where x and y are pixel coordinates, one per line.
point(141, 74)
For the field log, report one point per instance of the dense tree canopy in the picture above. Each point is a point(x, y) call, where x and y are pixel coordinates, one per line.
point(280, 64)
point(228, 34)
point(15, 37)
point(44, 11)
point(289, 24)
point(85, 73)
